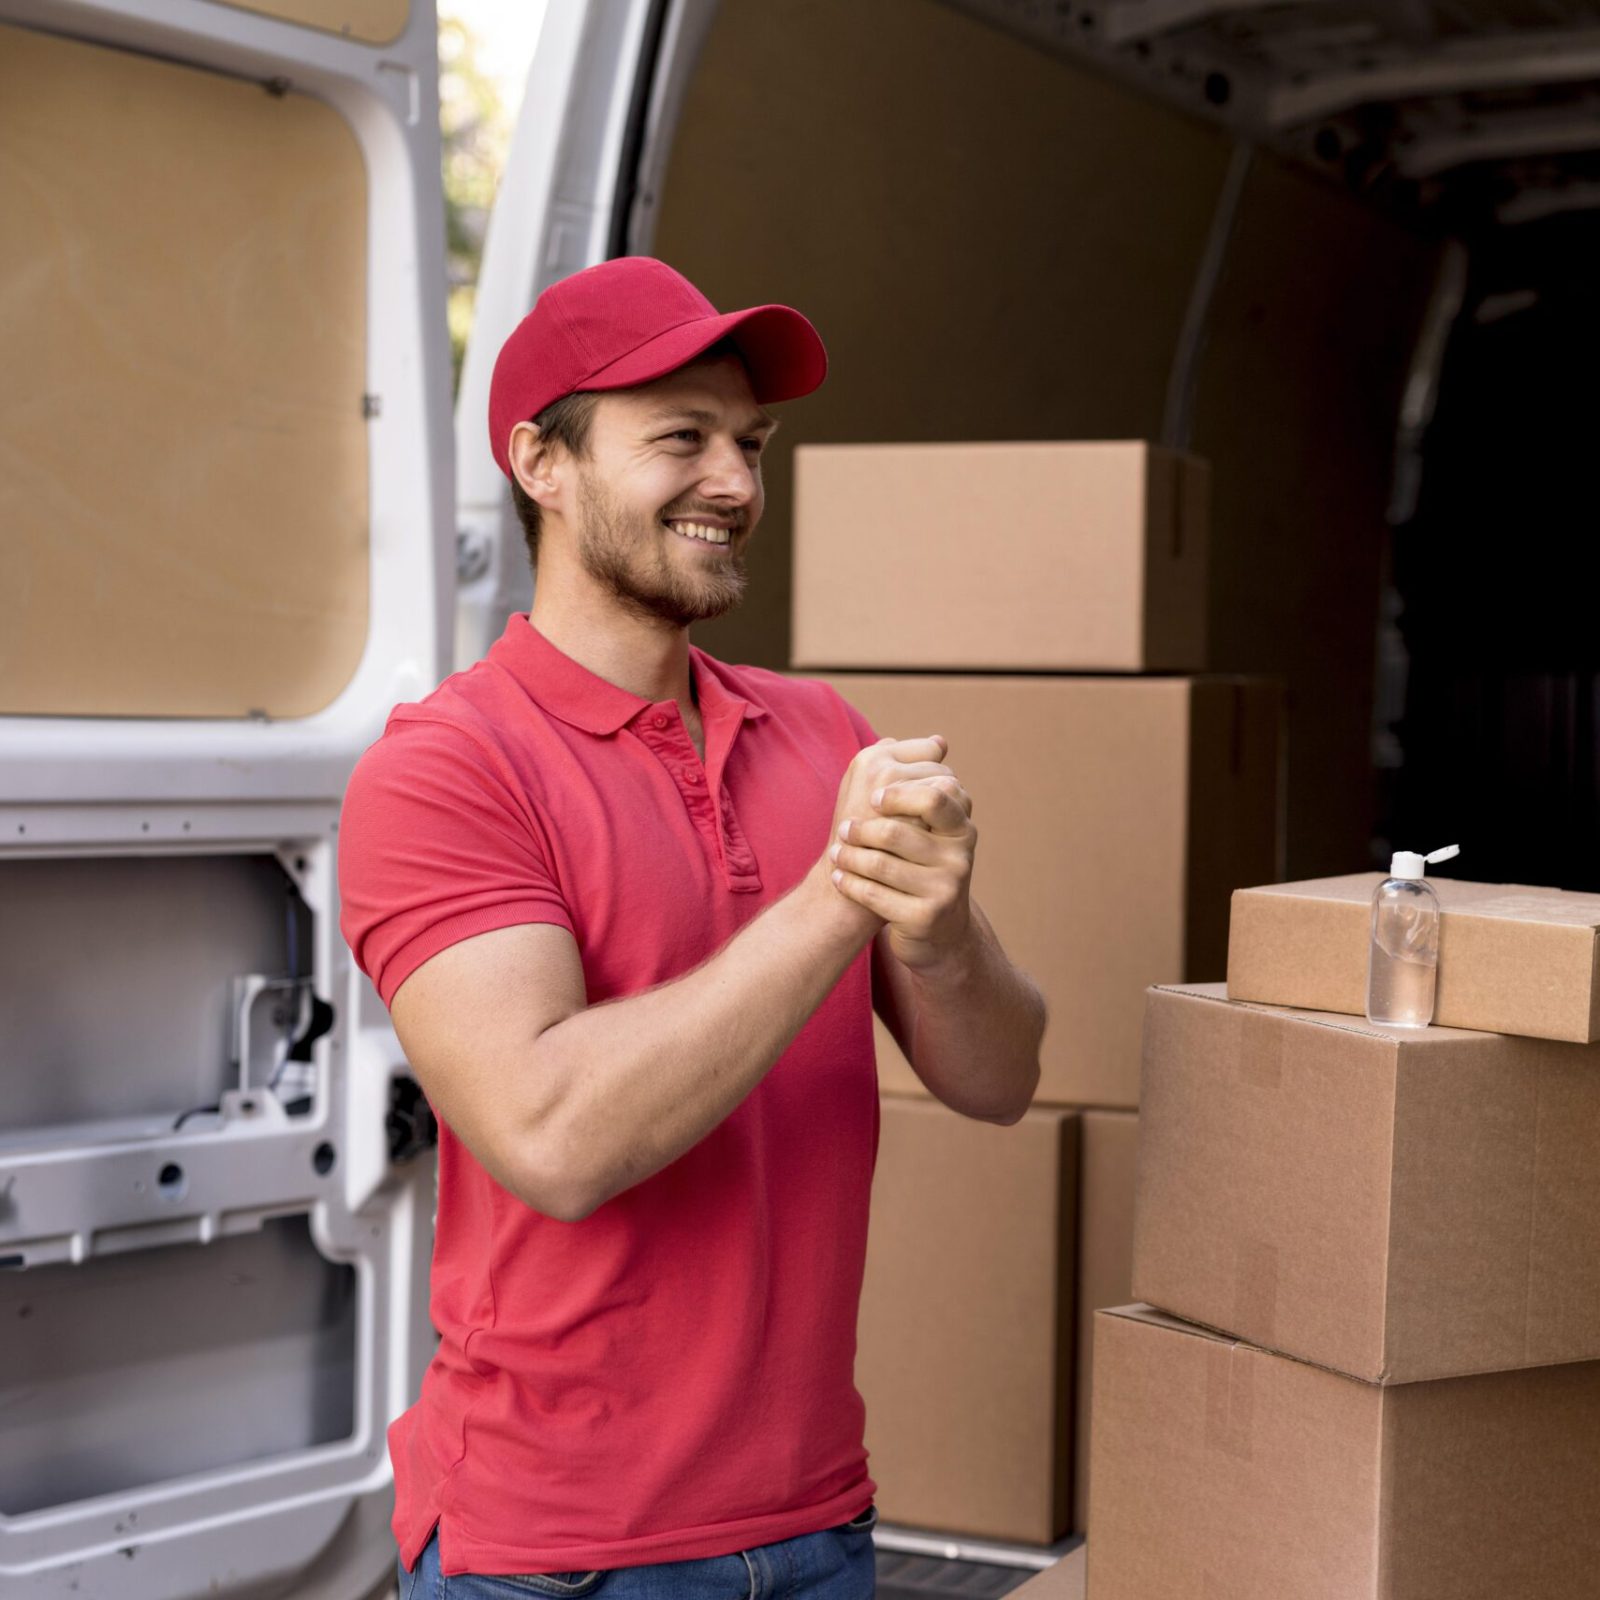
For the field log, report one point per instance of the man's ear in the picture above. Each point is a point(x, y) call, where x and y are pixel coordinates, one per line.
point(533, 463)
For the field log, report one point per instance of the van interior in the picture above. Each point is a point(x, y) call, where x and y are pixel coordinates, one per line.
point(1341, 249)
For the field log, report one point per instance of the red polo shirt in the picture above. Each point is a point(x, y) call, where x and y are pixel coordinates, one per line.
point(672, 1377)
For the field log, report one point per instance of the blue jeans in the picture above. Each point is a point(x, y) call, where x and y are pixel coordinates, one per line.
point(835, 1564)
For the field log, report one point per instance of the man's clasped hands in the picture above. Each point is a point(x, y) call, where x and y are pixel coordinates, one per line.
point(902, 847)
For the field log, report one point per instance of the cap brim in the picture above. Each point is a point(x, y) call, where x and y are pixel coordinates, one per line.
point(782, 351)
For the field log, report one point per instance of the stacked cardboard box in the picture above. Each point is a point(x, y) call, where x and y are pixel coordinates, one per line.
point(1512, 959)
point(1381, 1244)
point(1038, 557)
point(1043, 607)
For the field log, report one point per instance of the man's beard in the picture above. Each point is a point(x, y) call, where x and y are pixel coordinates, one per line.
point(639, 570)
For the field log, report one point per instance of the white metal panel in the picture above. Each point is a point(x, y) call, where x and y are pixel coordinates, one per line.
point(273, 1505)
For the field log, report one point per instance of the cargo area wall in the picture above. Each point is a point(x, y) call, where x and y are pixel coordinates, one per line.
point(995, 245)
point(183, 317)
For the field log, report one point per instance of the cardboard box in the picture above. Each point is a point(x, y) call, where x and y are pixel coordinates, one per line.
point(1063, 1581)
point(1396, 1205)
point(1045, 556)
point(964, 1351)
point(1223, 1471)
point(1117, 815)
point(1512, 959)
point(1107, 1161)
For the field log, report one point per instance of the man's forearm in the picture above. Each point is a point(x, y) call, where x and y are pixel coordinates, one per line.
point(626, 1087)
point(974, 1028)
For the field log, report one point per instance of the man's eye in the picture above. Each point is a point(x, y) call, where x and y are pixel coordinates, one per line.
point(692, 434)
point(750, 444)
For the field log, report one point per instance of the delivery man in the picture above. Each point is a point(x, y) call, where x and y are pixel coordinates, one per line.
point(631, 909)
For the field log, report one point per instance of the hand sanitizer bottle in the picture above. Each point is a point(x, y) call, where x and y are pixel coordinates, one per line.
point(1404, 959)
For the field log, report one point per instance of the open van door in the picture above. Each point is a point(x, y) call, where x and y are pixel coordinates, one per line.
point(230, 549)
point(227, 501)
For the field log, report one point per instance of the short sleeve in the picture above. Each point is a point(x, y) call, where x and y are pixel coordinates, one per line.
point(434, 847)
point(861, 731)
point(861, 727)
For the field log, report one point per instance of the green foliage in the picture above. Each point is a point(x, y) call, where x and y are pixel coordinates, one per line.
point(476, 133)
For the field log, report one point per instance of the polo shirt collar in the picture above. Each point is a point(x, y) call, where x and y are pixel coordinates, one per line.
point(579, 697)
point(719, 695)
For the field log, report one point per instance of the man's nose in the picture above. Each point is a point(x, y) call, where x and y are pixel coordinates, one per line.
point(730, 473)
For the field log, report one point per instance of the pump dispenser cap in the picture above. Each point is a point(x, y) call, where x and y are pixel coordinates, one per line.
point(1408, 864)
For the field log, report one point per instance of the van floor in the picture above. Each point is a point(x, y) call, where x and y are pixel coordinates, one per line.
point(909, 1577)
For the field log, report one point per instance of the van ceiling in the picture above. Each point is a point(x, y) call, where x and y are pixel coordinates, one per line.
point(1472, 110)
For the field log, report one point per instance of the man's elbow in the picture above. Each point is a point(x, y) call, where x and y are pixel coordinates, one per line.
point(559, 1196)
point(547, 1158)
point(567, 1176)
point(549, 1176)
point(1016, 1108)
point(1000, 1100)
point(577, 1207)
point(1015, 1105)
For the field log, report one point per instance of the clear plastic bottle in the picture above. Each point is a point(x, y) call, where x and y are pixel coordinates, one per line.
point(1404, 958)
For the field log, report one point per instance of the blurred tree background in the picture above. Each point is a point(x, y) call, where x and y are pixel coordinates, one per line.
point(475, 126)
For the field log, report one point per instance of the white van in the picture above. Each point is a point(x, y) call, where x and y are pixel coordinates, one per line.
point(238, 527)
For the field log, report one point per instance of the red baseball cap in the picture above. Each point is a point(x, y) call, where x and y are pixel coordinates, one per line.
point(628, 321)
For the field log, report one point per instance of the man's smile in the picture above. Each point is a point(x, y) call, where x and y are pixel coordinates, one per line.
point(704, 532)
